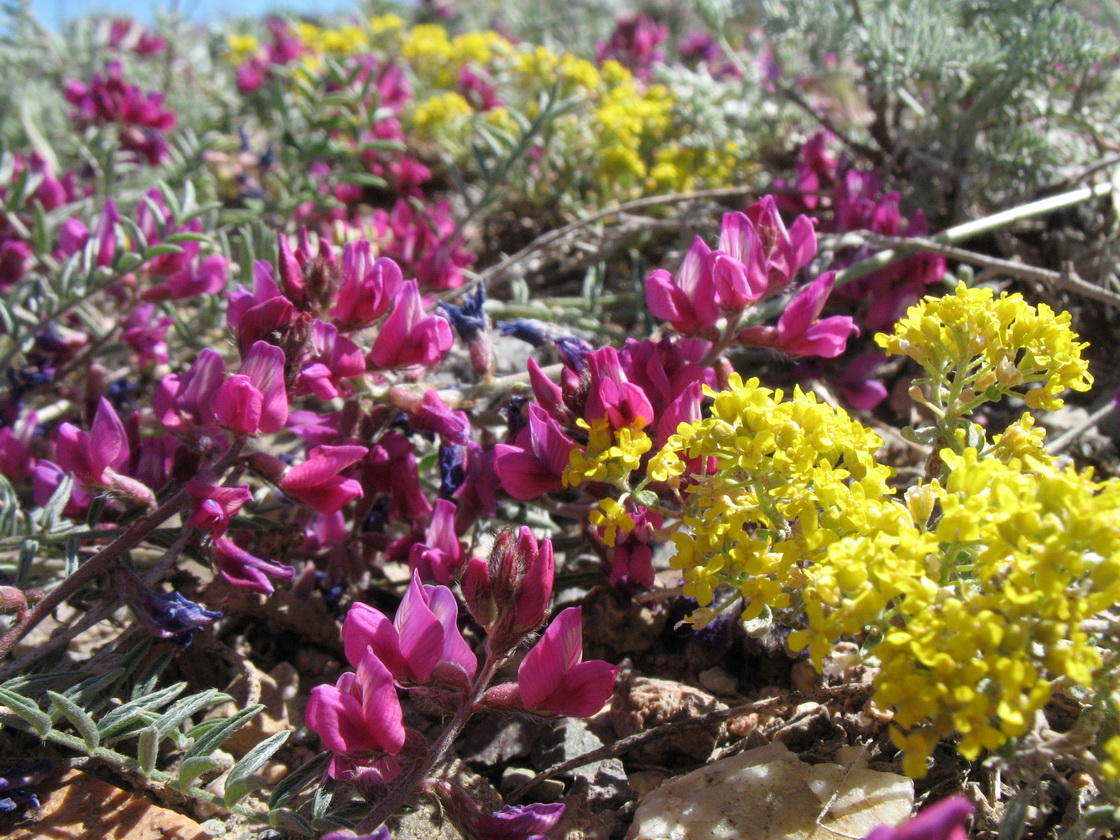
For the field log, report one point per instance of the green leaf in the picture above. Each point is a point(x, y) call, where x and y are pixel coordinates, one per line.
point(183, 709)
point(27, 553)
point(191, 768)
point(756, 628)
point(291, 784)
point(926, 436)
point(148, 750)
point(242, 778)
point(646, 498)
point(211, 734)
point(161, 249)
point(28, 711)
point(78, 717)
point(286, 821)
point(127, 718)
point(186, 236)
point(56, 504)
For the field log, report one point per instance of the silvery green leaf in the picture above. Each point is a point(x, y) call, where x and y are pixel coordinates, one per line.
point(211, 734)
point(242, 778)
point(148, 750)
point(191, 768)
point(28, 711)
point(290, 821)
point(78, 717)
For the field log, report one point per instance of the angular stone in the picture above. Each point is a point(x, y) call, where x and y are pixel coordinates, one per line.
point(640, 703)
point(770, 794)
point(78, 806)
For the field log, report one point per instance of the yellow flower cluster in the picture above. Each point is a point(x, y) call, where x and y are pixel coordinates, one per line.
point(447, 112)
point(981, 346)
point(610, 455)
point(437, 58)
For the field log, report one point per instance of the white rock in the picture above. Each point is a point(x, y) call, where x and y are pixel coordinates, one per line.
point(770, 794)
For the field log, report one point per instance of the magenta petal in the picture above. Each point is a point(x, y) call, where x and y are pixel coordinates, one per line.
point(664, 299)
point(237, 405)
point(421, 634)
point(323, 462)
point(264, 365)
point(544, 667)
point(364, 627)
point(336, 717)
point(585, 690)
point(455, 649)
point(381, 708)
point(522, 474)
point(107, 437)
point(805, 307)
point(827, 338)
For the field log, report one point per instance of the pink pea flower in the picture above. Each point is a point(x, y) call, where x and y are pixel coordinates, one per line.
point(508, 593)
point(688, 300)
point(333, 359)
point(360, 716)
point(96, 458)
point(799, 332)
point(409, 337)
point(369, 286)
point(317, 483)
point(635, 44)
point(421, 640)
point(514, 822)
point(45, 478)
point(632, 558)
point(439, 557)
point(242, 568)
point(552, 678)
point(254, 400)
point(181, 401)
point(213, 507)
point(392, 469)
point(16, 460)
point(431, 414)
point(738, 266)
point(254, 315)
point(477, 496)
point(535, 463)
point(477, 90)
point(944, 820)
point(612, 395)
point(145, 334)
point(785, 251)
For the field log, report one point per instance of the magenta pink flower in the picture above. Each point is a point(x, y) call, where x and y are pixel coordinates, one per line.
point(333, 359)
point(439, 557)
point(360, 716)
point(213, 507)
point(514, 822)
point(369, 286)
point(612, 395)
point(242, 568)
point(109, 99)
point(254, 315)
point(552, 678)
point(738, 265)
point(535, 463)
point(409, 337)
point(423, 636)
point(16, 460)
point(431, 414)
point(635, 44)
point(944, 820)
point(317, 483)
point(799, 332)
point(785, 251)
point(254, 400)
point(688, 301)
point(97, 457)
point(181, 401)
point(392, 469)
point(146, 334)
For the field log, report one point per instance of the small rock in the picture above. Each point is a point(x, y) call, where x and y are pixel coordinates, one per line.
point(564, 740)
point(645, 782)
point(493, 741)
point(605, 789)
point(718, 681)
point(769, 794)
point(79, 806)
point(547, 790)
point(640, 704)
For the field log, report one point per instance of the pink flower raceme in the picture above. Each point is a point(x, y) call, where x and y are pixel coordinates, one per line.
point(552, 678)
point(634, 44)
point(799, 331)
point(213, 507)
point(420, 244)
point(422, 640)
point(108, 99)
point(392, 469)
point(785, 252)
point(944, 820)
point(535, 463)
point(254, 400)
point(359, 717)
point(612, 395)
point(409, 338)
point(243, 568)
point(508, 593)
point(98, 457)
point(317, 483)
